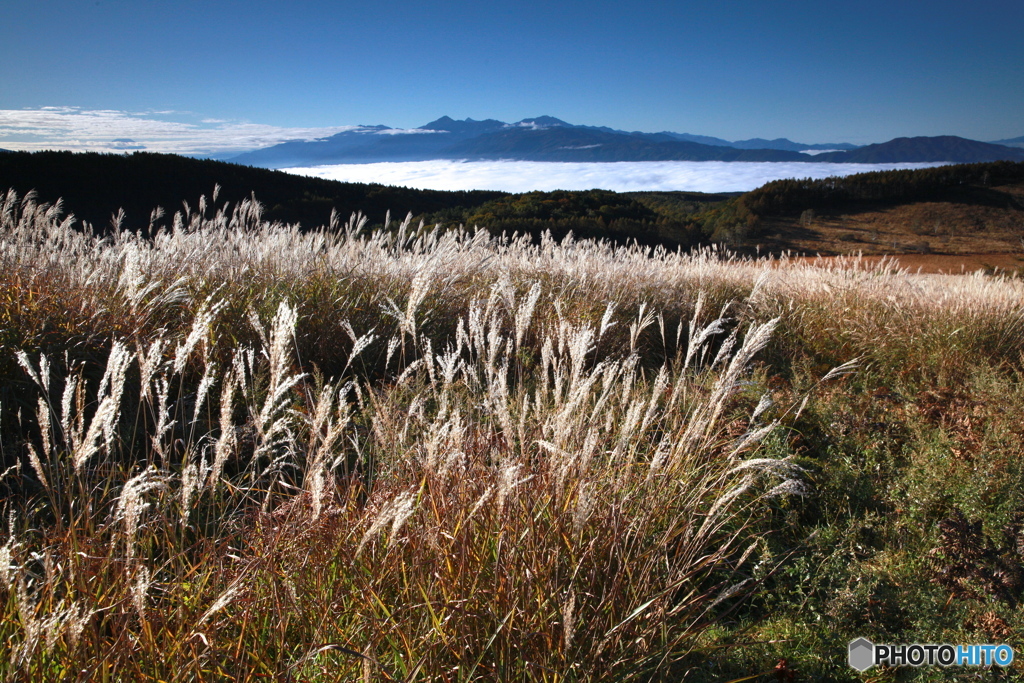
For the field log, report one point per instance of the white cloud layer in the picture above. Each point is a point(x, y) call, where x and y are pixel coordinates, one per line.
point(623, 176)
point(79, 130)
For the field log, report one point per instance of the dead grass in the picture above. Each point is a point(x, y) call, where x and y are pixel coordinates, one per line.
point(241, 451)
point(951, 264)
point(941, 228)
point(522, 497)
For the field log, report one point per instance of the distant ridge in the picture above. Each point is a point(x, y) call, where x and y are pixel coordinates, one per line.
point(942, 148)
point(1012, 142)
point(546, 138)
point(561, 143)
point(783, 143)
point(464, 127)
point(761, 143)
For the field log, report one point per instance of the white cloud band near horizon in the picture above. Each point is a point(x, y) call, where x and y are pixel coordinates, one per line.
point(80, 130)
point(621, 176)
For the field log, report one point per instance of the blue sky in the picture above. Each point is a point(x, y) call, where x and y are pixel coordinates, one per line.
point(861, 72)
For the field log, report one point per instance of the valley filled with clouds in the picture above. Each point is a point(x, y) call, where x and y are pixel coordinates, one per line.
point(82, 130)
point(622, 176)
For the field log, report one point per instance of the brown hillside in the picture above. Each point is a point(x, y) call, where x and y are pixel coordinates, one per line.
point(941, 228)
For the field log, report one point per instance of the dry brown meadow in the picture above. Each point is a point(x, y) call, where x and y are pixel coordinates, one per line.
point(240, 451)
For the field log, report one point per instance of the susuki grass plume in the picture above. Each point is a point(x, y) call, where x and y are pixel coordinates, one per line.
point(254, 452)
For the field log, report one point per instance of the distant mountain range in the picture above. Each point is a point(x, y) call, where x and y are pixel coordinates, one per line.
point(940, 148)
point(546, 138)
point(1012, 142)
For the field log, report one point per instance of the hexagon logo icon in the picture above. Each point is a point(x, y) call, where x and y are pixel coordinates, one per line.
point(862, 654)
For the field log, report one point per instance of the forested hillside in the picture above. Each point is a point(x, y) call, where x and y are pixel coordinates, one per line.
point(95, 186)
point(645, 217)
point(980, 190)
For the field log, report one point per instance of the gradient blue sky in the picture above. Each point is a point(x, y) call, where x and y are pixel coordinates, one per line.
point(822, 71)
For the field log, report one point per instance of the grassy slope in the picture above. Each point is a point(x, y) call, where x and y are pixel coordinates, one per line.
point(962, 209)
point(960, 226)
point(455, 517)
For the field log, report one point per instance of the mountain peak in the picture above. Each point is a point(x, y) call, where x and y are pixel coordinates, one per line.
point(450, 125)
point(440, 124)
point(543, 122)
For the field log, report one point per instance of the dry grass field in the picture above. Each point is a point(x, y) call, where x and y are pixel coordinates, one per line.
point(950, 264)
point(973, 234)
point(236, 451)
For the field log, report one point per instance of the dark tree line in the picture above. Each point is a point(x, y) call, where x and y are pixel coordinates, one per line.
point(967, 182)
point(591, 214)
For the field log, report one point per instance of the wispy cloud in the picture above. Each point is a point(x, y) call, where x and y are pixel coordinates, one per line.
point(626, 176)
point(816, 152)
point(84, 130)
point(405, 131)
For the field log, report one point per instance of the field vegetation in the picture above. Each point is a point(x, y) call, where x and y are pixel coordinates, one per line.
point(234, 449)
point(958, 209)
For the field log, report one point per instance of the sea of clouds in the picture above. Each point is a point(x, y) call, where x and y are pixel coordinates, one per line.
point(93, 130)
point(623, 176)
point(81, 130)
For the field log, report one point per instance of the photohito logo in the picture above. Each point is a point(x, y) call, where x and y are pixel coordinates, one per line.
point(863, 654)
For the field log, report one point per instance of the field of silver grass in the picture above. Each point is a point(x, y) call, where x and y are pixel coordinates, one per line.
point(237, 449)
